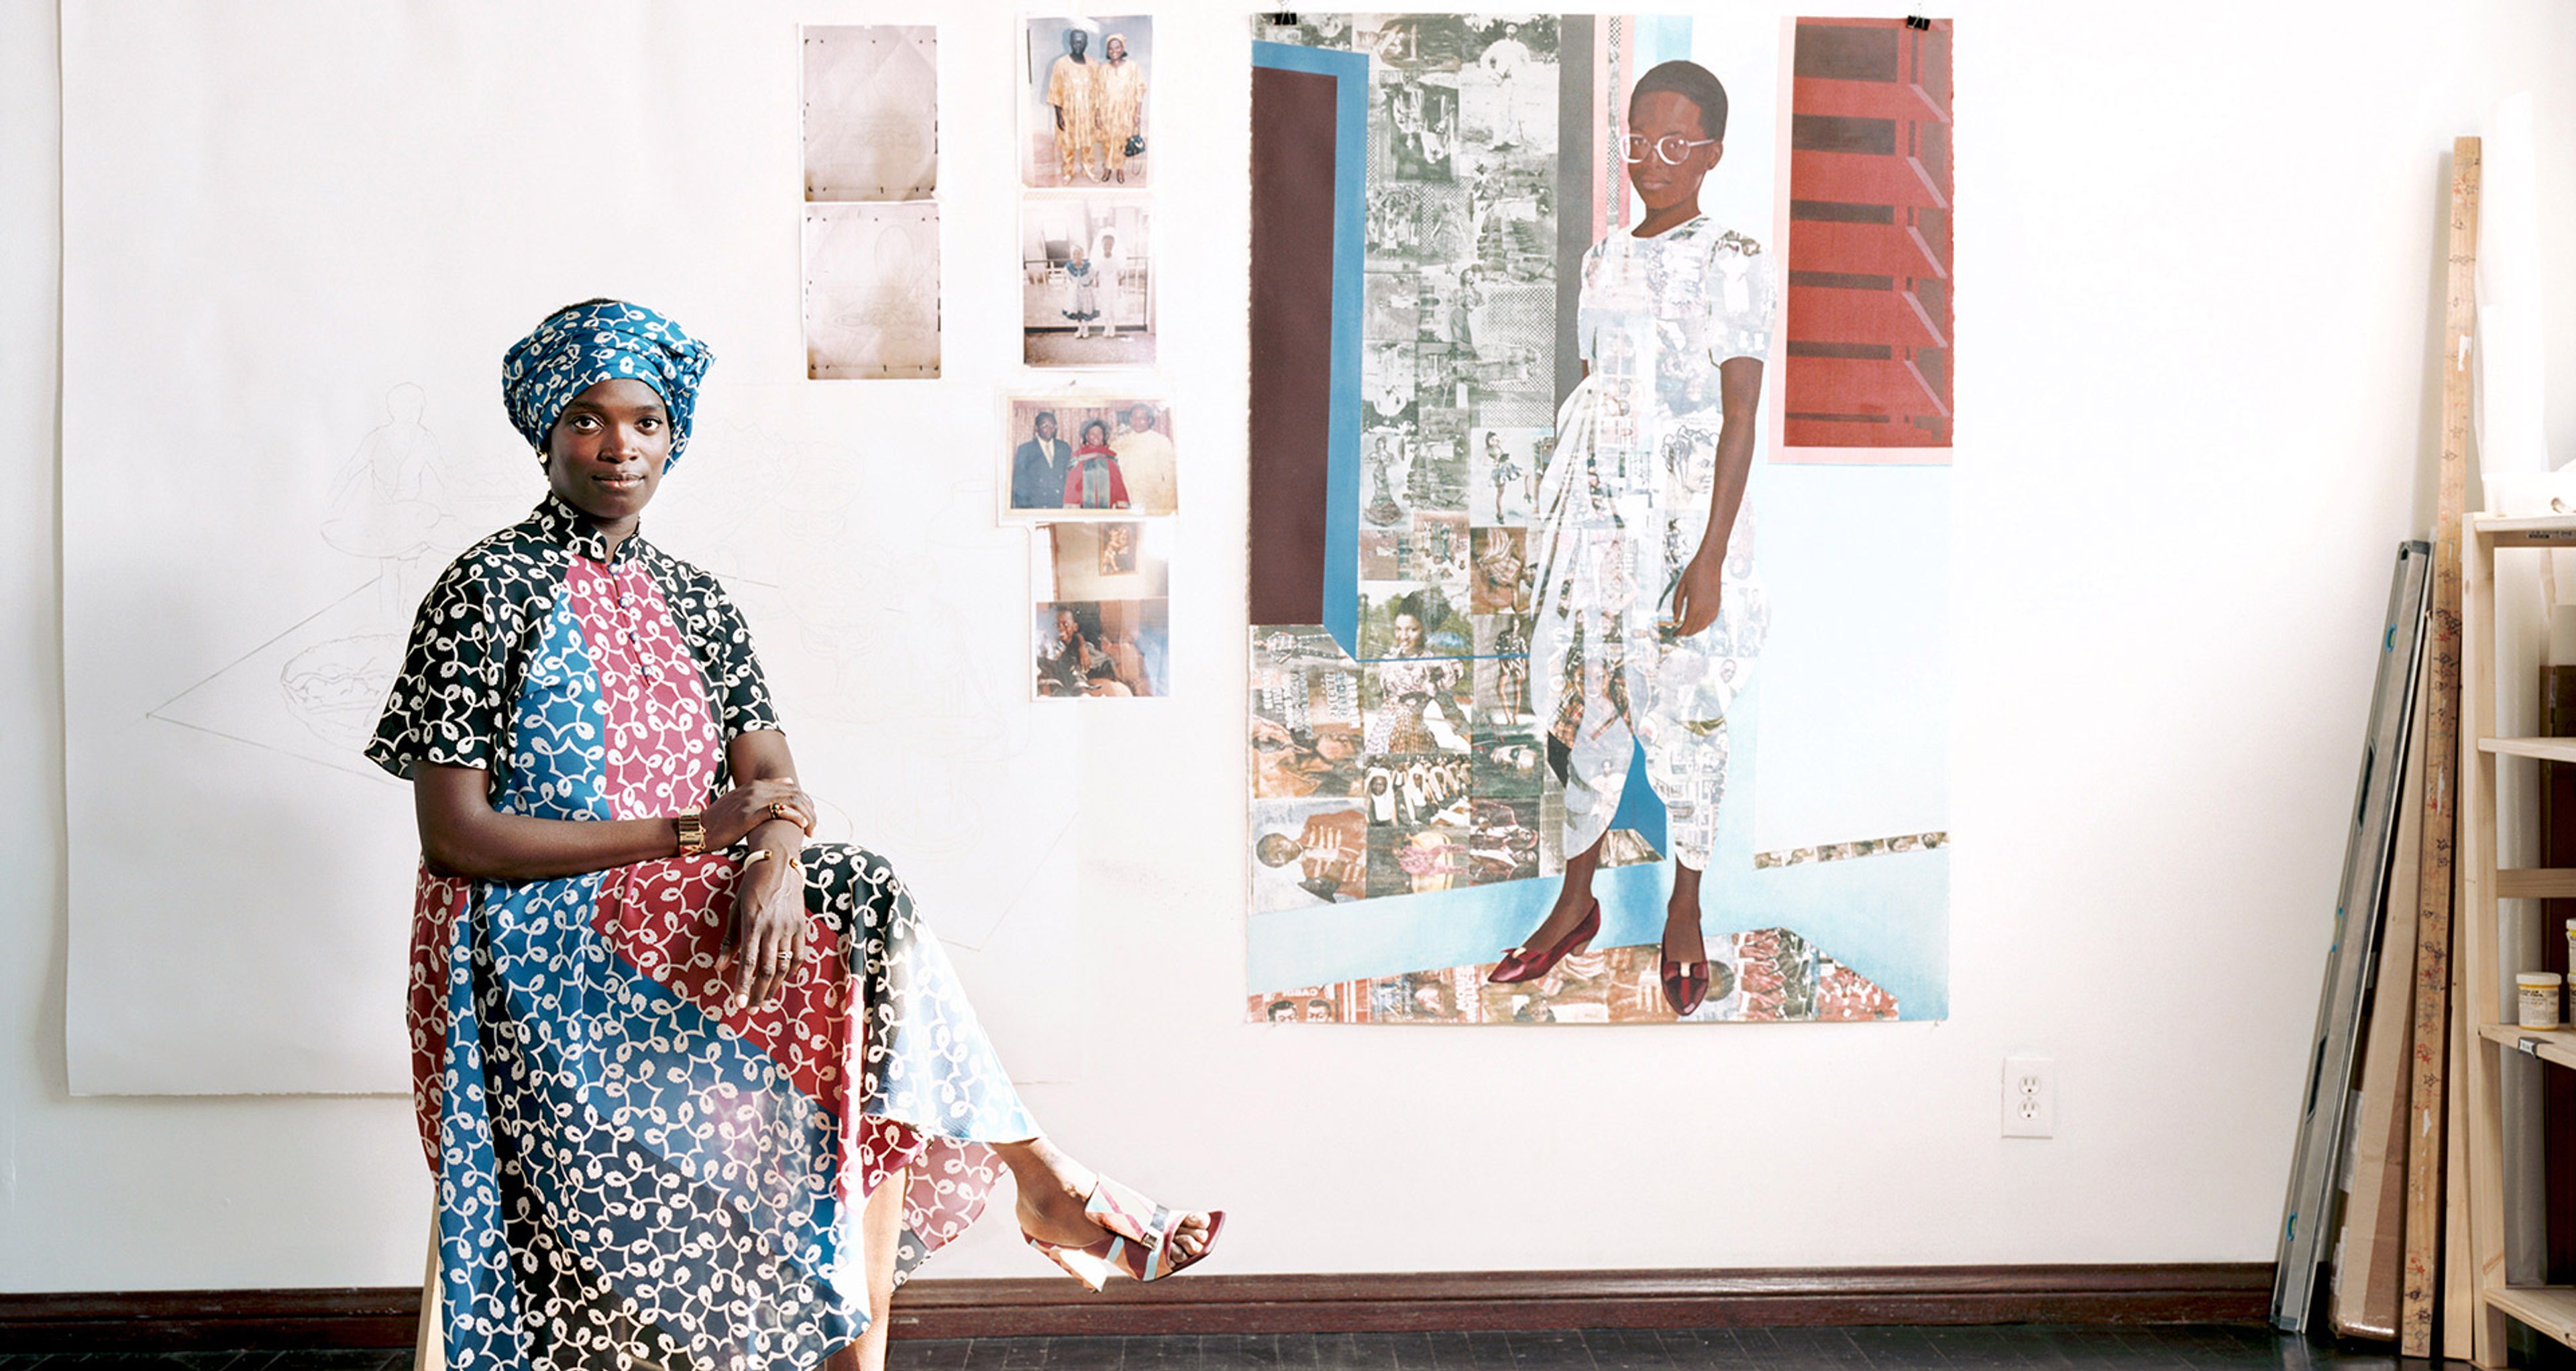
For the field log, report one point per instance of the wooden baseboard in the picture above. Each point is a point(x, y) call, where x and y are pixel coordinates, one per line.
point(1449, 1301)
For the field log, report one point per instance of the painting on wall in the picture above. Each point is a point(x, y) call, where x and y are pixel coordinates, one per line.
point(1549, 624)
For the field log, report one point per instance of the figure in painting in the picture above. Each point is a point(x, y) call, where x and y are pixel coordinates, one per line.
point(697, 1089)
point(1146, 458)
point(1410, 689)
point(1331, 851)
point(1039, 466)
point(1648, 617)
point(1073, 91)
point(1080, 274)
point(1095, 481)
point(1118, 108)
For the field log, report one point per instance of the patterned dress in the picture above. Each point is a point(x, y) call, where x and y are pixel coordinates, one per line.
point(625, 1169)
point(1622, 509)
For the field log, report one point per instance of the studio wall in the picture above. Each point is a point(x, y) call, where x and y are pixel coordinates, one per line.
point(2207, 265)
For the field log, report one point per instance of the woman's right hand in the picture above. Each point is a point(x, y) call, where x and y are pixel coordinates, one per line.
point(747, 806)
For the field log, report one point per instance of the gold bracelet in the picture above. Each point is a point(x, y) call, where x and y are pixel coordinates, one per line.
point(762, 854)
point(693, 833)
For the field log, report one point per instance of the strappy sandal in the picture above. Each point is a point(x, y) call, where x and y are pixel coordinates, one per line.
point(1135, 1239)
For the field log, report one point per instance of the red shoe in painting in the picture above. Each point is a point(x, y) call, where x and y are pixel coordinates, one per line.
point(1685, 986)
point(1521, 964)
point(1685, 983)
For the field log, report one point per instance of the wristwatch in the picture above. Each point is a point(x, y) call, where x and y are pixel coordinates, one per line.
point(693, 833)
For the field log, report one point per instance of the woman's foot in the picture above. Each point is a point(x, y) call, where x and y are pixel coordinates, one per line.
point(1570, 907)
point(1054, 1189)
point(1685, 970)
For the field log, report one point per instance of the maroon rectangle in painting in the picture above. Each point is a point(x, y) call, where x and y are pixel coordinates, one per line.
point(1869, 326)
point(1293, 123)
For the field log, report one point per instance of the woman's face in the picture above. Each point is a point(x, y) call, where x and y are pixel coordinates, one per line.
point(1095, 434)
point(1116, 49)
point(1654, 117)
point(1408, 635)
point(605, 454)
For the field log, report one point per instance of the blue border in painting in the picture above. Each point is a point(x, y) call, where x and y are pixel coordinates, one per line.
point(1349, 71)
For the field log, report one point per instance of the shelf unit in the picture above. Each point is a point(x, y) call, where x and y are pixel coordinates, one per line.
point(2548, 1309)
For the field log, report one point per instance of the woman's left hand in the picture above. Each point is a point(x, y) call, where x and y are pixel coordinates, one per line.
point(765, 941)
point(1696, 596)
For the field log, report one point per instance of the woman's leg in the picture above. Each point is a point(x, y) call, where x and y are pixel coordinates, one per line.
point(1573, 897)
point(881, 1228)
point(1682, 941)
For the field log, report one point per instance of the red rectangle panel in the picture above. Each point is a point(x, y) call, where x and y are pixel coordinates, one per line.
point(1870, 368)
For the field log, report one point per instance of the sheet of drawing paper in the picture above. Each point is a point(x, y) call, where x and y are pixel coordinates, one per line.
point(871, 112)
point(294, 256)
point(872, 291)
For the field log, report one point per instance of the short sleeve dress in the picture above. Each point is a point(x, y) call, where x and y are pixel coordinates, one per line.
point(1622, 508)
point(625, 1169)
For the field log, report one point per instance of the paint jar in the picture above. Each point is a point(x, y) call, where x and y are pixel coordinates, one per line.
point(2571, 944)
point(2538, 993)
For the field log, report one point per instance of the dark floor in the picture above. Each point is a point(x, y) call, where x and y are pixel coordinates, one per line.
point(2187, 1348)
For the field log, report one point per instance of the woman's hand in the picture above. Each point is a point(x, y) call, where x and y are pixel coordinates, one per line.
point(1696, 596)
point(747, 806)
point(765, 942)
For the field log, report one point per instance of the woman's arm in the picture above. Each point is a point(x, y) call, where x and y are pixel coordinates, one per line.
point(1695, 600)
point(461, 834)
point(767, 938)
point(759, 756)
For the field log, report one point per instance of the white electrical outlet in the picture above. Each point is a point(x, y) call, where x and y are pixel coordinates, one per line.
point(2030, 1097)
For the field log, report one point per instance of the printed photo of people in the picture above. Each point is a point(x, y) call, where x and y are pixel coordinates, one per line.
point(1103, 592)
point(1103, 649)
point(1106, 453)
point(872, 291)
point(1305, 716)
point(1499, 580)
point(1307, 852)
point(1084, 93)
point(1087, 281)
point(871, 112)
point(1503, 466)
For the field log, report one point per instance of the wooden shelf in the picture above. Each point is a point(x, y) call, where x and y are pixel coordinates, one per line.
point(2551, 1309)
point(2546, 749)
point(2555, 1044)
point(2544, 530)
point(2536, 883)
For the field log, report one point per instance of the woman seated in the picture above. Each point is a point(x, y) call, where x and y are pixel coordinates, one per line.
point(697, 1090)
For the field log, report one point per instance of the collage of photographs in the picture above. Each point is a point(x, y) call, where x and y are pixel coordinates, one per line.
point(1091, 467)
point(1088, 466)
point(1413, 763)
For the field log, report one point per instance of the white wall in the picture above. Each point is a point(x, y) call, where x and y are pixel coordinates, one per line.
point(2201, 274)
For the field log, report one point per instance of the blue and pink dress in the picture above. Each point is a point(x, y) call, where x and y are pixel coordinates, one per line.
point(624, 1168)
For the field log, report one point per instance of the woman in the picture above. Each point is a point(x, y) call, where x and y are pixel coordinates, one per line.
point(1095, 481)
point(696, 1089)
point(1648, 618)
point(1085, 280)
point(1408, 689)
point(1119, 107)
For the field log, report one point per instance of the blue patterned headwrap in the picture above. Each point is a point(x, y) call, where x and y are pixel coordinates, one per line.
point(580, 346)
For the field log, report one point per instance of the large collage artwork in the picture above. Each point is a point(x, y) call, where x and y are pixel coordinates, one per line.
point(1428, 191)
